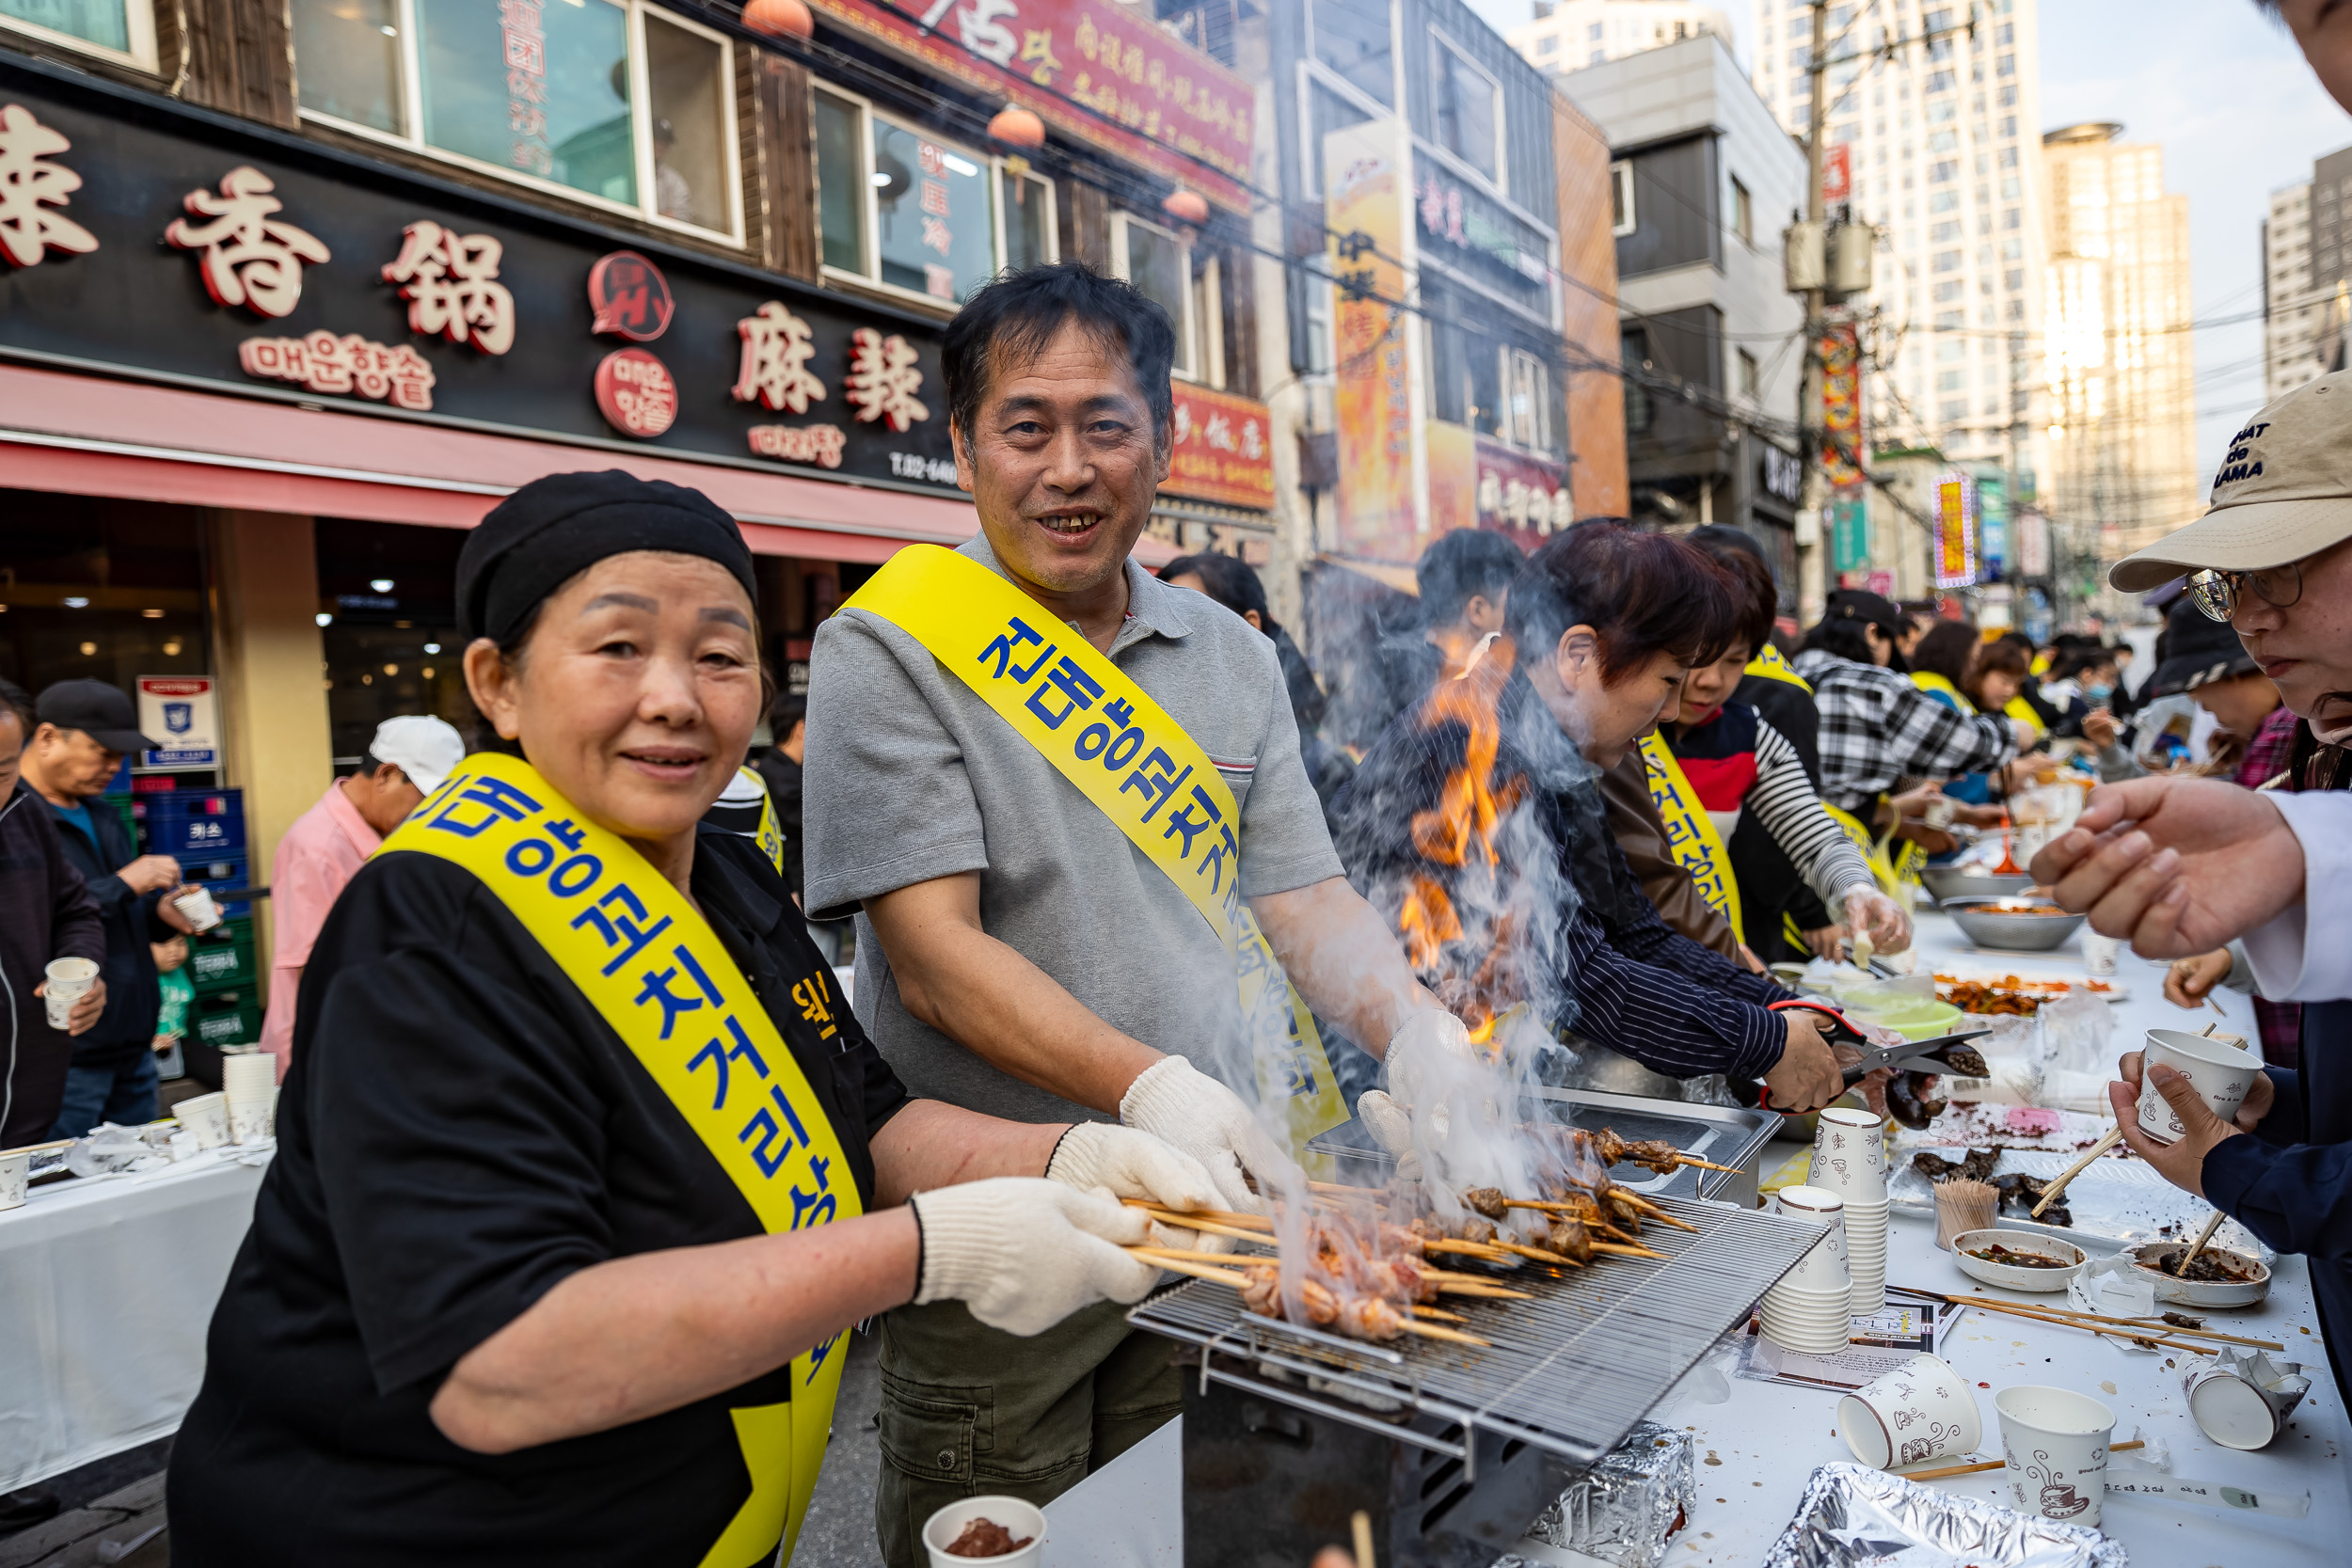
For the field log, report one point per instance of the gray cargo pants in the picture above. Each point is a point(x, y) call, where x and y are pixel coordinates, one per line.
point(969, 1411)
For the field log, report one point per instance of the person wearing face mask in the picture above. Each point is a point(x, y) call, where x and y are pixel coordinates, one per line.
point(2182, 866)
point(1746, 777)
point(1603, 624)
point(584, 1167)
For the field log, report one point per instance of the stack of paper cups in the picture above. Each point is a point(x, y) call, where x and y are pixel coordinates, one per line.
point(1850, 1159)
point(67, 981)
point(1808, 1311)
point(250, 1078)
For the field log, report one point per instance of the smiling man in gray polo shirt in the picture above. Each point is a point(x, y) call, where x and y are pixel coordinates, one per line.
point(1018, 954)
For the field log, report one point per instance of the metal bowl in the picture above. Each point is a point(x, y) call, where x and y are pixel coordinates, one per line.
point(1988, 924)
point(1968, 881)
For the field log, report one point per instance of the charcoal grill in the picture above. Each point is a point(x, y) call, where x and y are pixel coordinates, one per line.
point(1452, 1449)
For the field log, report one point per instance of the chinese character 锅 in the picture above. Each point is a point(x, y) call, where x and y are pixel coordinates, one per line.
point(774, 368)
point(884, 379)
point(451, 283)
point(249, 257)
point(29, 186)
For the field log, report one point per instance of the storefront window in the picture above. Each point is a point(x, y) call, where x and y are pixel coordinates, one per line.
point(1353, 39)
point(120, 28)
point(1183, 281)
point(390, 637)
point(92, 589)
point(908, 210)
point(1467, 106)
point(616, 100)
point(350, 54)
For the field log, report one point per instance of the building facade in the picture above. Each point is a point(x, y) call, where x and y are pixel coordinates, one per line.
point(2121, 368)
point(2307, 277)
point(1935, 126)
point(297, 293)
point(1712, 342)
point(1573, 33)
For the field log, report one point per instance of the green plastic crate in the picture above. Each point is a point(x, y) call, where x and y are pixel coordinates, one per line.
point(223, 958)
point(226, 1018)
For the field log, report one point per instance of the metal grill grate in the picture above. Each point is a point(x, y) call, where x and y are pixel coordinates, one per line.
point(1570, 1370)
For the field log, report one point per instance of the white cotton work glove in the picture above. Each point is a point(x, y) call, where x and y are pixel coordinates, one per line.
point(1131, 1163)
point(1425, 1058)
point(1023, 1253)
point(1175, 1101)
point(1867, 912)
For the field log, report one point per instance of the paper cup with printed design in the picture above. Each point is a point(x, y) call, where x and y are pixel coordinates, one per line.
point(249, 1080)
point(1824, 1267)
point(16, 1172)
point(197, 904)
point(66, 981)
point(1921, 1411)
point(2220, 1073)
point(2054, 1442)
point(206, 1118)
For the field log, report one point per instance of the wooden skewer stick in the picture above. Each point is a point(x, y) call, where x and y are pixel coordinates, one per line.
point(1582, 1214)
point(1437, 1313)
point(1186, 1216)
point(2143, 1335)
point(41, 1149)
point(1194, 1222)
point(1523, 1250)
point(1229, 1259)
point(1199, 1271)
point(2156, 1326)
point(1486, 1292)
point(1468, 1249)
point(1646, 1206)
point(1617, 1250)
point(2049, 1194)
point(2199, 1245)
point(1452, 1335)
point(1949, 1470)
point(1703, 1165)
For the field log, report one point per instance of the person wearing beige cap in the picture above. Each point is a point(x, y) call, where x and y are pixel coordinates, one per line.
point(2183, 865)
point(406, 761)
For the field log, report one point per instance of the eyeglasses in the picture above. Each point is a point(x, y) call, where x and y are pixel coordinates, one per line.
point(2217, 592)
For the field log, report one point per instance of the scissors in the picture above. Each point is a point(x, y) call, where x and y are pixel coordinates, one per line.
point(1946, 1054)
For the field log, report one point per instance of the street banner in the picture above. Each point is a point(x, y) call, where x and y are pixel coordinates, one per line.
point(1366, 190)
point(1955, 532)
point(1221, 448)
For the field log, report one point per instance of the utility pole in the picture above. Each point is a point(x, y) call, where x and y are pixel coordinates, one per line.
point(1813, 559)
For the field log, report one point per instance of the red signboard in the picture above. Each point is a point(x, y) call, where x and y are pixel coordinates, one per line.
point(1837, 173)
point(1099, 72)
point(1521, 494)
point(636, 392)
point(1841, 406)
point(629, 297)
point(1222, 449)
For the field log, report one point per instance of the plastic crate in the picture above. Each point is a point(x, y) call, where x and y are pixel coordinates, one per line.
point(226, 1018)
point(223, 958)
point(124, 811)
point(215, 873)
point(170, 829)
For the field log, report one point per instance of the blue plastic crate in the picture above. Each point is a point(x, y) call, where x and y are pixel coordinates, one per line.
point(201, 838)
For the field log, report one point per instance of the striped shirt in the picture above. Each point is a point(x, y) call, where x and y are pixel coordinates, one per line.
point(1593, 953)
point(1741, 765)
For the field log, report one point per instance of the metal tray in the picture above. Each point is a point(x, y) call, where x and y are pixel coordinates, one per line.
point(1727, 1136)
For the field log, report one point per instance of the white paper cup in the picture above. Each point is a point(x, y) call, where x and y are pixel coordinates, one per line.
point(2055, 1443)
point(202, 913)
point(1806, 1341)
point(206, 1116)
point(1842, 1127)
point(15, 1172)
point(1921, 1411)
point(1023, 1519)
point(249, 1080)
point(68, 980)
point(1940, 813)
point(1824, 1267)
point(2099, 954)
point(2221, 1074)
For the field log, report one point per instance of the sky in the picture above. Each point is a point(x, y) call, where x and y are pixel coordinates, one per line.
point(2225, 92)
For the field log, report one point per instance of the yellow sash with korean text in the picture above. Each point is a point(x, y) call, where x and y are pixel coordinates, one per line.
point(1769, 664)
point(1691, 836)
point(653, 969)
point(1138, 767)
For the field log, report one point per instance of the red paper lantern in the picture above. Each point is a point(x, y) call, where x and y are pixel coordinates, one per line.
point(1017, 127)
point(1187, 206)
point(780, 18)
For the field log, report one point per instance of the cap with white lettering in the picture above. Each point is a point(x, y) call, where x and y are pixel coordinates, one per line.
point(2284, 493)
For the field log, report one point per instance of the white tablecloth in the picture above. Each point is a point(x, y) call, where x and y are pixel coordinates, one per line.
point(1757, 1448)
point(106, 1289)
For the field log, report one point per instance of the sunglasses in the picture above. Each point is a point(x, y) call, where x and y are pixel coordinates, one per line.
point(2217, 592)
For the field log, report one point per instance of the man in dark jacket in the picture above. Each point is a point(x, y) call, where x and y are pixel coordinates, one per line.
point(84, 730)
point(46, 912)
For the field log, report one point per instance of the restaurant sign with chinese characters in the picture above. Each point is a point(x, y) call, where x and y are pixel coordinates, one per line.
point(1221, 448)
point(137, 236)
point(1100, 71)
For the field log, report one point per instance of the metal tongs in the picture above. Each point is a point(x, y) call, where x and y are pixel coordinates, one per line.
point(1946, 1054)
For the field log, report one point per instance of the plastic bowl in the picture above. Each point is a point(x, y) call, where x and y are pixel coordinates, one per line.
point(2197, 1293)
point(2013, 1277)
point(1955, 881)
point(1988, 924)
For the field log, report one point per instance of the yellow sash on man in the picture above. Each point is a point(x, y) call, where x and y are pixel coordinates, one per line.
point(1105, 734)
point(651, 966)
point(1769, 664)
point(1928, 681)
point(1691, 836)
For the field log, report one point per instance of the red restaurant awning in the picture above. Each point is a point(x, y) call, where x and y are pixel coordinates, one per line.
point(91, 435)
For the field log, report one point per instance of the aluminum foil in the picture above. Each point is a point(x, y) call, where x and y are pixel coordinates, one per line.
point(1623, 1508)
point(1852, 1516)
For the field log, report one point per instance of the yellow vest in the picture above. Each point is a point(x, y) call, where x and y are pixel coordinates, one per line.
point(647, 961)
point(1124, 752)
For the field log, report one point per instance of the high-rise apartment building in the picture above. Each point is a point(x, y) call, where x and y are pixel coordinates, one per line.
point(1574, 34)
point(1941, 138)
point(2121, 365)
point(2307, 277)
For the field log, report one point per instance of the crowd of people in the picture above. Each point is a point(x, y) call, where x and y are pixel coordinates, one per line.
point(585, 1163)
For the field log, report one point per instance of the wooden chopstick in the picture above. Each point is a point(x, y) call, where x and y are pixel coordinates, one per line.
point(2049, 1195)
point(2145, 1336)
point(2181, 1269)
point(1992, 1465)
point(41, 1148)
point(2126, 1322)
